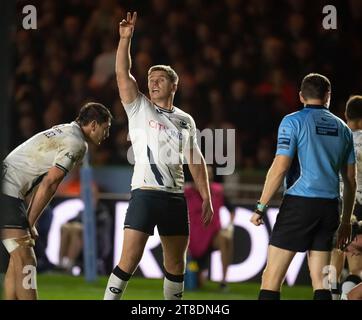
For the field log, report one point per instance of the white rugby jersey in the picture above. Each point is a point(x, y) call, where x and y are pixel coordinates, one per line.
point(61, 146)
point(159, 139)
point(357, 140)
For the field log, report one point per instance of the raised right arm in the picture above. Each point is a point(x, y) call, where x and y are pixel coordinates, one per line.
point(127, 85)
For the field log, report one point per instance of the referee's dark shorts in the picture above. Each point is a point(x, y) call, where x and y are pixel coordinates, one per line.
point(150, 208)
point(305, 224)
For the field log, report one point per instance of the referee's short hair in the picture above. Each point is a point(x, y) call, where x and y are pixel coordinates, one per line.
point(354, 108)
point(315, 86)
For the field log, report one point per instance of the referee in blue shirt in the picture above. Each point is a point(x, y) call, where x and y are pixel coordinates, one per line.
point(314, 147)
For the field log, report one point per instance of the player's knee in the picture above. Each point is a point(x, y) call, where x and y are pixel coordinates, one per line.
point(176, 266)
point(21, 250)
point(130, 261)
point(316, 275)
point(317, 278)
point(271, 279)
point(24, 256)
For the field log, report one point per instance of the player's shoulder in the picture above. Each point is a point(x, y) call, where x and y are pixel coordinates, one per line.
point(183, 115)
point(357, 136)
point(73, 135)
point(293, 117)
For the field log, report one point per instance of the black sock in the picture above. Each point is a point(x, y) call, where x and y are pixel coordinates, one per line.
point(322, 294)
point(337, 289)
point(353, 278)
point(269, 295)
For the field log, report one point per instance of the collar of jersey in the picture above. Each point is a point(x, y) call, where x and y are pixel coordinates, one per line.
point(315, 106)
point(165, 110)
point(80, 129)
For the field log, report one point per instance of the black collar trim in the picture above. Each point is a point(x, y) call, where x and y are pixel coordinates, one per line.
point(315, 106)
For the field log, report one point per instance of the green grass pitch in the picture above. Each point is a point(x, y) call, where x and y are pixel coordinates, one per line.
point(65, 287)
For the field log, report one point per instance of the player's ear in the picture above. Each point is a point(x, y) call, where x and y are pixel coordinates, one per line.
point(327, 99)
point(174, 87)
point(301, 97)
point(93, 125)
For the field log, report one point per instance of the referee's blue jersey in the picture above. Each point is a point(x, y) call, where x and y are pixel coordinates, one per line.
point(320, 144)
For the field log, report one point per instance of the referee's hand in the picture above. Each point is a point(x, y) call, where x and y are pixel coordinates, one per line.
point(256, 219)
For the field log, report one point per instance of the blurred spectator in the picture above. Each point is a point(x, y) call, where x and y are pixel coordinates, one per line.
point(203, 240)
point(104, 64)
point(71, 243)
point(262, 50)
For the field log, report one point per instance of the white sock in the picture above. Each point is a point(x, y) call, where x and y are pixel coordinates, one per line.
point(348, 285)
point(173, 290)
point(116, 286)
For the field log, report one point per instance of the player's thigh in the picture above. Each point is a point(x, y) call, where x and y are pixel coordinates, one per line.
point(278, 261)
point(134, 242)
point(174, 247)
point(317, 262)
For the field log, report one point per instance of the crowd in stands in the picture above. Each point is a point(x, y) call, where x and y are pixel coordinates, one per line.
point(239, 63)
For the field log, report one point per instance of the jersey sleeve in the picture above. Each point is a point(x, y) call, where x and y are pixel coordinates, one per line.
point(350, 155)
point(287, 138)
point(192, 140)
point(69, 154)
point(134, 107)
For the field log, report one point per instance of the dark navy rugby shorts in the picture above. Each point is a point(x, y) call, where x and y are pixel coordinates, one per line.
point(150, 208)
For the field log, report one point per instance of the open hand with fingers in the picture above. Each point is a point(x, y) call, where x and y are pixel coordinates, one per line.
point(126, 26)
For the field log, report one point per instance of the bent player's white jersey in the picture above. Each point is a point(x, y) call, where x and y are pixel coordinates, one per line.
point(159, 139)
point(357, 140)
point(61, 146)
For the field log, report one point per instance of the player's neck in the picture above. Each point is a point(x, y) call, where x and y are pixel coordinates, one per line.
point(164, 103)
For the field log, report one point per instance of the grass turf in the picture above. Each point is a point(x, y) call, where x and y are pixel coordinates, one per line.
point(65, 287)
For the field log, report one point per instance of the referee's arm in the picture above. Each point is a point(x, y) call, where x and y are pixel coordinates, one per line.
point(273, 181)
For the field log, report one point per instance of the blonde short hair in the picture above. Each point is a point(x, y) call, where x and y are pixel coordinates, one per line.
point(170, 72)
